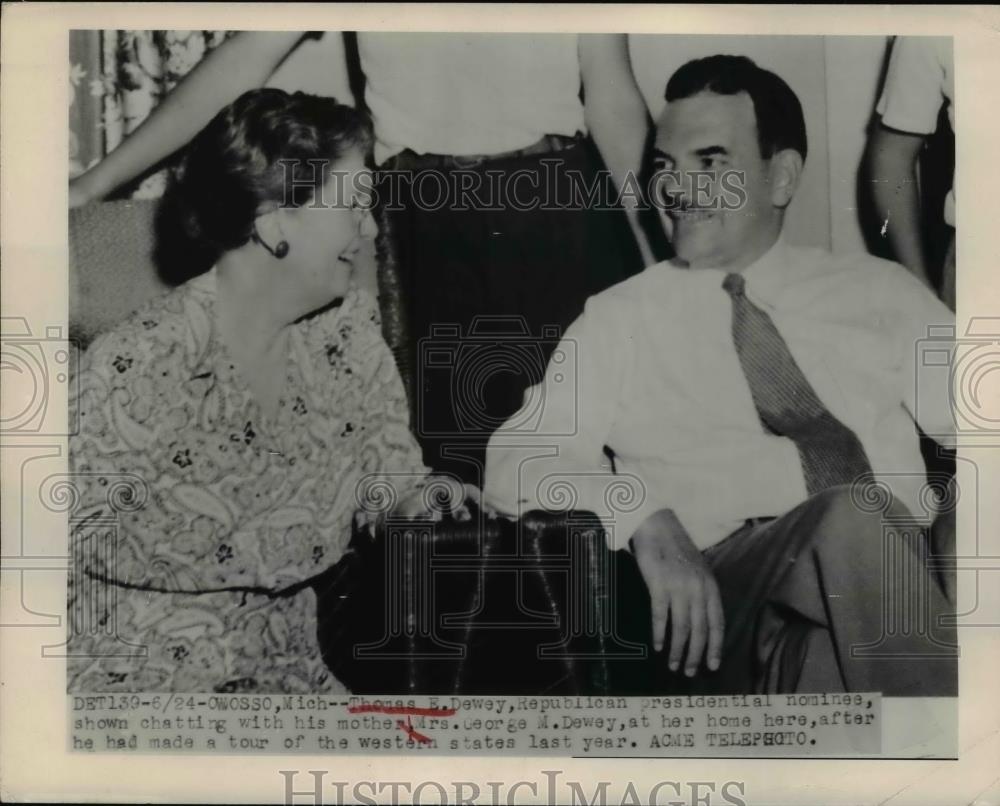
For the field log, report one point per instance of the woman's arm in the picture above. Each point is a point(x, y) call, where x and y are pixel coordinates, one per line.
point(616, 116)
point(241, 63)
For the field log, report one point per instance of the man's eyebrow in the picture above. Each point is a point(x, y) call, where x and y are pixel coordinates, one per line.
point(706, 151)
point(711, 151)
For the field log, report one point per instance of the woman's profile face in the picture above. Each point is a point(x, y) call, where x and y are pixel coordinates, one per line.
point(326, 235)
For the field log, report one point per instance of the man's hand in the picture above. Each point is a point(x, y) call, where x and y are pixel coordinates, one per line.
point(681, 588)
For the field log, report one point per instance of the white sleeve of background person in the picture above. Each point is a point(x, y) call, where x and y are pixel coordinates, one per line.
point(916, 84)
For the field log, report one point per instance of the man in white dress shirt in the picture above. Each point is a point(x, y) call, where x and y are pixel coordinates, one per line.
point(753, 396)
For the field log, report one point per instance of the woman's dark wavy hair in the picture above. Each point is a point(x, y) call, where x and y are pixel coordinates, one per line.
point(780, 122)
point(267, 147)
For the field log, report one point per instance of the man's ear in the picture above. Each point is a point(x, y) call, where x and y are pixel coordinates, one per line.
point(785, 173)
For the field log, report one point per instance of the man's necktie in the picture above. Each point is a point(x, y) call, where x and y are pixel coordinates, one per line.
point(830, 452)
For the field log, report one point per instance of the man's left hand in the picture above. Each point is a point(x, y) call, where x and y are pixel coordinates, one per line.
point(682, 590)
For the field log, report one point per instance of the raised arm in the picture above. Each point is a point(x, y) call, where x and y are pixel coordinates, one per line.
point(241, 63)
point(616, 115)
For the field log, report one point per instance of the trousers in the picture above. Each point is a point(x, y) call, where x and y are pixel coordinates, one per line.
point(833, 596)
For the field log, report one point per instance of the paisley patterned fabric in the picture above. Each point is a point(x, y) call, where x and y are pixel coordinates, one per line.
point(196, 580)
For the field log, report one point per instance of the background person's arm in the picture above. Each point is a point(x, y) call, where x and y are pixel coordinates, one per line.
point(914, 92)
point(241, 63)
point(892, 157)
point(616, 115)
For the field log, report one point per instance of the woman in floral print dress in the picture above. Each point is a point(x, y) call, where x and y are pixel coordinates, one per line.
point(228, 430)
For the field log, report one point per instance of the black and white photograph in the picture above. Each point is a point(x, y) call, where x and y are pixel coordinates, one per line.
point(557, 361)
point(580, 395)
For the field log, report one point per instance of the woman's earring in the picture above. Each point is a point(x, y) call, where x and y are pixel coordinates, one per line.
point(280, 251)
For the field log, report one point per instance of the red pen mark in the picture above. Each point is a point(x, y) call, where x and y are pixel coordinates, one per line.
point(408, 711)
point(407, 728)
point(404, 710)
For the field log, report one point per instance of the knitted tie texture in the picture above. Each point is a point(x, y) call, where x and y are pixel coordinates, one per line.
point(830, 452)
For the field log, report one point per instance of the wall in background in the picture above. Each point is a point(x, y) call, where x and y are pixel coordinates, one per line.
point(854, 66)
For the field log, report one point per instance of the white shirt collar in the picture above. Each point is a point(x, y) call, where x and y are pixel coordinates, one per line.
point(769, 274)
point(765, 277)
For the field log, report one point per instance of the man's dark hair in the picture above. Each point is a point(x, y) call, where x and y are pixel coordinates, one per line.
point(780, 123)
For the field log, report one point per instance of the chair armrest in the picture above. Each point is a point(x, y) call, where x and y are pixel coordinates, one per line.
point(487, 606)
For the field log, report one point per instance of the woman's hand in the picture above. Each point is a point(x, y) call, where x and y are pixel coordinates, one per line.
point(681, 588)
point(438, 496)
point(435, 498)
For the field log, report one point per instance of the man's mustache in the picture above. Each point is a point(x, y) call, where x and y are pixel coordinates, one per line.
point(689, 209)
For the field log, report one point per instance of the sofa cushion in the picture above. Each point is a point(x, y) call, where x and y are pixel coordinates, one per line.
point(111, 266)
